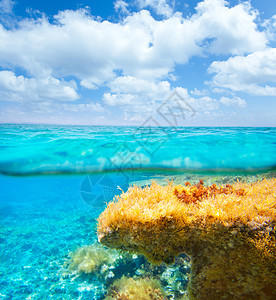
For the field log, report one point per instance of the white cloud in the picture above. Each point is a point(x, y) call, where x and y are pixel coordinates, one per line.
point(136, 92)
point(270, 28)
point(55, 108)
point(91, 50)
point(223, 29)
point(197, 92)
point(203, 104)
point(254, 73)
point(6, 6)
point(122, 6)
point(135, 95)
point(144, 51)
point(17, 88)
point(83, 107)
point(118, 99)
point(161, 7)
point(88, 84)
point(137, 86)
point(235, 101)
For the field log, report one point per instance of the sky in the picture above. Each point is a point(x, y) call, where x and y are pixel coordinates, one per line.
point(138, 62)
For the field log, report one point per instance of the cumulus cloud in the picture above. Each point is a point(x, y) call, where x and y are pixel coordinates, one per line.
point(161, 7)
point(17, 88)
point(121, 6)
point(136, 92)
point(6, 13)
point(137, 95)
point(270, 28)
point(141, 87)
point(254, 73)
point(197, 92)
point(79, 45)
point(235, 101)
point(82, 107)
point(133, 59)
point(54, 108)
point(229, 30)
point(118, 99)
point(6, 6)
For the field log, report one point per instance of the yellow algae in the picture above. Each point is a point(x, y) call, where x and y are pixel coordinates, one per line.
point(135, 289)
point(228, 231)
point(88, 259)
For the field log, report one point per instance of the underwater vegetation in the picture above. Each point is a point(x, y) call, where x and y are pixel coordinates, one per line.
point(127, 276)
point(198, 192)
point(227, 231)
point(89, 259)
point(135, 289)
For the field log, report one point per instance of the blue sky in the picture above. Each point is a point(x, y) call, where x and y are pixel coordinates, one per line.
point(202, 63)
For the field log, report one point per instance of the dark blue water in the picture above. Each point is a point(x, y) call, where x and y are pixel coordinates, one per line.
point(56, 180)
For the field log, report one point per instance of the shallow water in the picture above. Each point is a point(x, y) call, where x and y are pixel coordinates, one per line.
point(40, 149)
point(43, 218)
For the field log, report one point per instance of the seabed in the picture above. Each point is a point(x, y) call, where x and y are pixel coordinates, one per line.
point(40, 240)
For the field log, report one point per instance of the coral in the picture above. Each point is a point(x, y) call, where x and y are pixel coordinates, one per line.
point(228, 232)
point(135, 289)
point(88, 259)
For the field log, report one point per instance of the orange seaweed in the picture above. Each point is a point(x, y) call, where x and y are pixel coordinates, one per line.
point(192, 194)
point(228, 232)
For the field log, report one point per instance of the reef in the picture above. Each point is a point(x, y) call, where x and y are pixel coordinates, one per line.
point(228, 232)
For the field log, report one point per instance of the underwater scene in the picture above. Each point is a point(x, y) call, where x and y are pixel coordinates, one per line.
point(98, 212)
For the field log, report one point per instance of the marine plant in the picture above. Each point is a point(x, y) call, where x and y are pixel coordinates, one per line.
point(88, 259)
point(135, 289)
point(228, 232)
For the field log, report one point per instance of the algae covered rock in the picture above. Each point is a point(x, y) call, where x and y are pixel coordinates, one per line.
point(228, 232)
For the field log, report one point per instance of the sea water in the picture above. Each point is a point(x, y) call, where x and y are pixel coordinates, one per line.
point(56, 180)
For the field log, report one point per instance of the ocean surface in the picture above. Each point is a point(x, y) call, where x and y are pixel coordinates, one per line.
point(56, 180)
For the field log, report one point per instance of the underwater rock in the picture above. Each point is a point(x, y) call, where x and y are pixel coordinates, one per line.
point(228, 232)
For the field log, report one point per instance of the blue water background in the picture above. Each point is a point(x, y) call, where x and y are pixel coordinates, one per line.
point(43, 218)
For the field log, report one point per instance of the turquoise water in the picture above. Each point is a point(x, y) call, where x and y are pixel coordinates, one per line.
point(37, 149)
point(56, 180)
